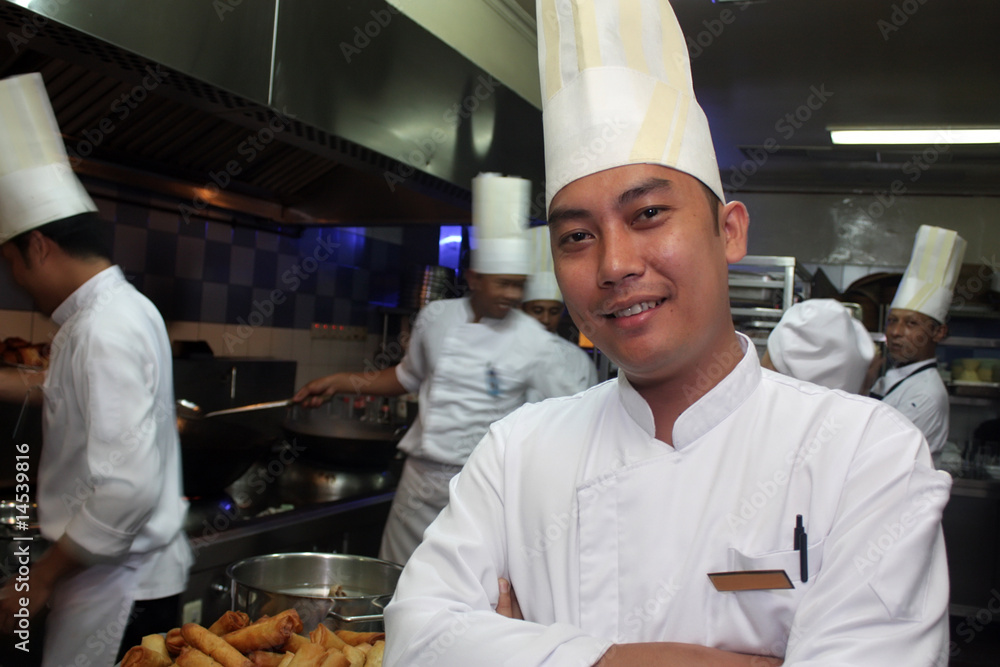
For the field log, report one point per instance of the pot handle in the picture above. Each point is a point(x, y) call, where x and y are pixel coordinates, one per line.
point(355, 619)
point(378, 602)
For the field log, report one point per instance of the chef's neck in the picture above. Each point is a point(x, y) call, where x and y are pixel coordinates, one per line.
point(676, 388)
point(68, 275)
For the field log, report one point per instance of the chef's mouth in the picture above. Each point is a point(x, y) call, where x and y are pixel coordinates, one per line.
point(635, 309)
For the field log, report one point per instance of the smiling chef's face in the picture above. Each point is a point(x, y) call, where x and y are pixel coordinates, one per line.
point(495, 295)
point(642, 261)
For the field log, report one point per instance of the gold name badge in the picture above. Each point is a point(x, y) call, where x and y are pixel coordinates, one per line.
point(750, 580)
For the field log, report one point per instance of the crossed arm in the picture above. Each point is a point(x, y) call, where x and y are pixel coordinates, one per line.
point(667, 654)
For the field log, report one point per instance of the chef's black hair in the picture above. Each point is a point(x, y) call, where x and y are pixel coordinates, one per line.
point(83, 236)
point(713, 206)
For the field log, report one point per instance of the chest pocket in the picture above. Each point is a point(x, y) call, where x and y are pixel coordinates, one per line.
point(787, 560)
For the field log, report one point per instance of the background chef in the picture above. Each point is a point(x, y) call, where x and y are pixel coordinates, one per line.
point(915, 326)
point(640, 522)
point(109, 480)
point(472, 359)
point(819, 341)
point(543, 301)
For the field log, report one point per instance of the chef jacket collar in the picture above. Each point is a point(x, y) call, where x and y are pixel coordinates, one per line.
point(86, 292)
point(894, 375)
point(709, 410)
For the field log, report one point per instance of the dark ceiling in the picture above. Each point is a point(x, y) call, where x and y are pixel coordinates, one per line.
point(757, 67)
point(772, 75)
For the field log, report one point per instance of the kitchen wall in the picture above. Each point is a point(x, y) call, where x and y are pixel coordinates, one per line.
point(851, 236)
point(250, 293)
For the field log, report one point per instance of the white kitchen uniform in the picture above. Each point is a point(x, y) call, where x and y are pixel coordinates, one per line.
point(608, 534)
point(109, 476)
point(921, 396)
point(578, 367)
point(469, 374)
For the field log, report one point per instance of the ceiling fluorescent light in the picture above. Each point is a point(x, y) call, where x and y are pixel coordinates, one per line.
point(914, 136)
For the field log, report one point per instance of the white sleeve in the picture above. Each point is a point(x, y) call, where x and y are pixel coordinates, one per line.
point(414, 367)
point(881, 596)
point(443, 611)
point(563, 370)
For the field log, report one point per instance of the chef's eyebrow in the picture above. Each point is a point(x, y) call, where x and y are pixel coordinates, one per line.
point(625, 198)
point(642, 189)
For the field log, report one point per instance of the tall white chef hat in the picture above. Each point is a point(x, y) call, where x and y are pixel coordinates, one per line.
point(932, 273)
point(37, 185)
point(616, 90)
point(542, 285)
point(499, 224)
point(818, 341)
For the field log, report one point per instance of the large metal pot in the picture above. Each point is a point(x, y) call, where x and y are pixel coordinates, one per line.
point(304, 581)
point(331, 438)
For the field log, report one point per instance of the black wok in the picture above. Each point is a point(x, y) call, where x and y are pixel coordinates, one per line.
point(217, 450)
point(336, 440)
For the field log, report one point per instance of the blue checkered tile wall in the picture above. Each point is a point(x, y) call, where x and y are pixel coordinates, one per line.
point(206, 271)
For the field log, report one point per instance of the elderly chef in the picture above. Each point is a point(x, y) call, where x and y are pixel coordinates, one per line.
point(472, 359)
point(916, 324)
point(819, 341)
point(109, 479)
point(696, 510)
point(544, 302)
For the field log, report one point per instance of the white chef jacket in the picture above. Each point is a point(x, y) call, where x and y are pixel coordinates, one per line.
point(607, 534)
point(109, 474)
point(572, 361)
point(470, 374)
point(923, 398)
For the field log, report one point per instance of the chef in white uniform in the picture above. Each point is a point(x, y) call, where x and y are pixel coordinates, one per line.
point(472, 360)
point(916, 324)
point(109, 479)
point(819, 341)
point(543, 301)
point(697, 510)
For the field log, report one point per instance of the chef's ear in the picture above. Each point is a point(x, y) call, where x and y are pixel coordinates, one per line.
point(734, 220)
point(474, 279)
point(37, 250)
point(940, 333)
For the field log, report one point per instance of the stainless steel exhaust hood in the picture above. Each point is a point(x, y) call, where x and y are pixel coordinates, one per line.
point(316, 112)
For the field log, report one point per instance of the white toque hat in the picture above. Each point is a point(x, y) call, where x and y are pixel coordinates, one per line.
point(616, 90)
point(932, 273)
point(499, 225)
point(542, 285)
point(37, 185)
point(819, 341)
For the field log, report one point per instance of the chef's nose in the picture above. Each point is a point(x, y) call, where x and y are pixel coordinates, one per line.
point(620, 257)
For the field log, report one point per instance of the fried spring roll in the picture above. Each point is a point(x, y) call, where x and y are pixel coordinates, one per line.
point(326, 637)
point(140, 656)
point(364, 647)
point(269, 633)
point(175, 641)
point(266, 658)
point(212, 645)
point(355, 638)
point(355, 657)
point(309, 655)
point(287, 660)
point(158, 644)
point(335, 658)
point(295, 642)
point(231, 620)
point(192, 657)
point(374, 658)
